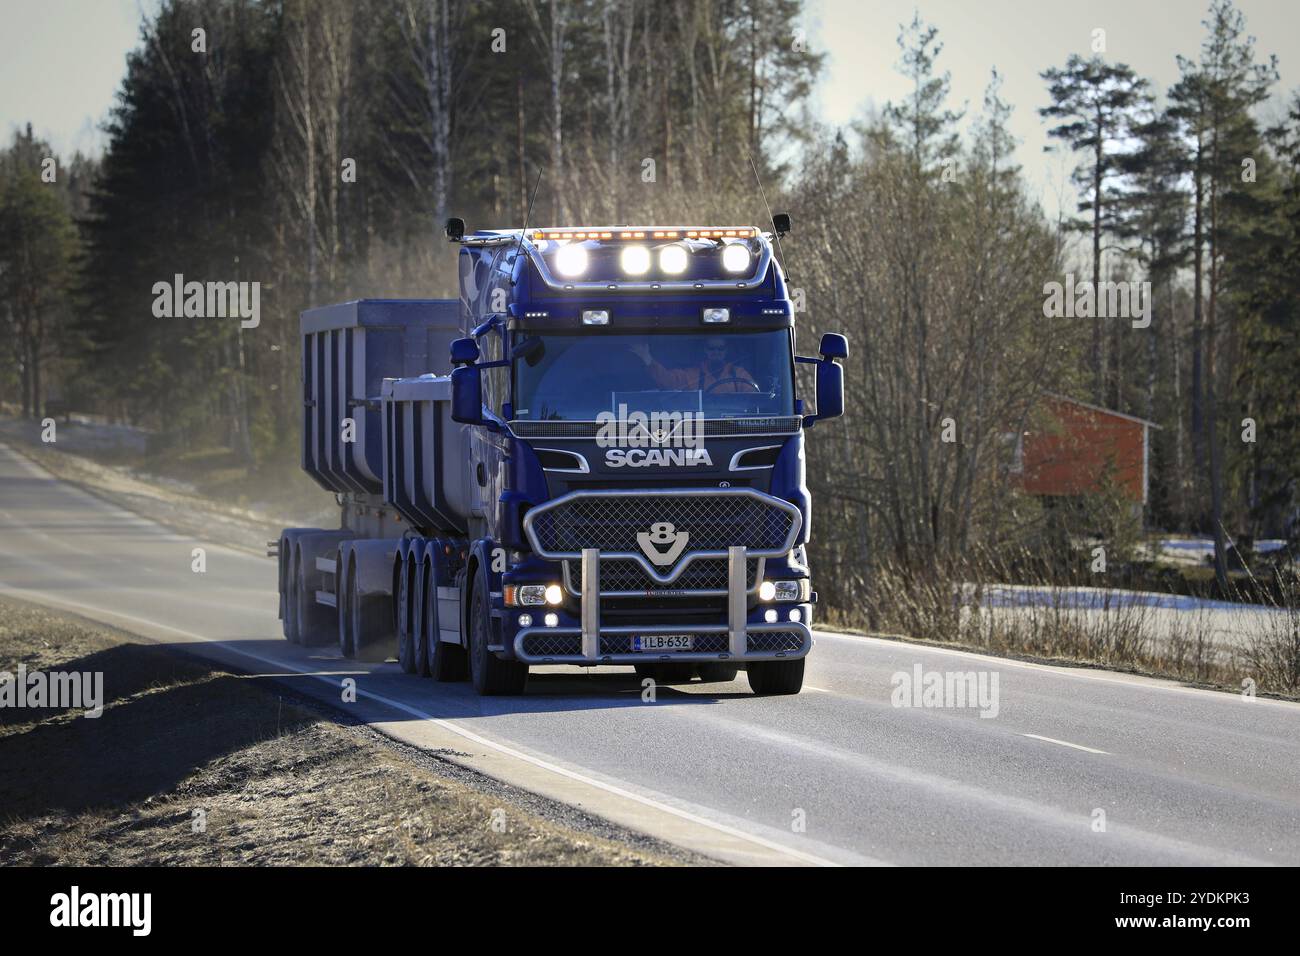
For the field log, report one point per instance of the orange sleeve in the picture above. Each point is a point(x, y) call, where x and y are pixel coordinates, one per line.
point(679, 378)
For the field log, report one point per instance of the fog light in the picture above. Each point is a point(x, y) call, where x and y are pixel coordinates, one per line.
point(554, 594)
point(770, 615)
point(525, 620)
point(552, 620)
point(595, 316)
point(796, 615)
point(714, 316)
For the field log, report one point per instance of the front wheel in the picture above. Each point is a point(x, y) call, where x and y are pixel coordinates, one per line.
point(491, 675)
point(770, 678)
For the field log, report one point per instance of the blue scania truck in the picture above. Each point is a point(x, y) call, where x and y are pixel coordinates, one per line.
point(594, 457)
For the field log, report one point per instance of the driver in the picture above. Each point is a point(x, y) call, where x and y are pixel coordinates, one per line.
point(713, 370)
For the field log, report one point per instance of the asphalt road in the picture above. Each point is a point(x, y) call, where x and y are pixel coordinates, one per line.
point(838, 774)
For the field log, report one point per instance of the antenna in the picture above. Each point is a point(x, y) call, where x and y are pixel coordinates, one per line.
point(529, 214)
point(775, 234)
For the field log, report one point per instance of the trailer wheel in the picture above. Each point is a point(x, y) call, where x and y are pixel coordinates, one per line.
point(718, 672)
point(491, 675)
point(770, 678)
point(405, 611)
point(424, 609)
point(343, 609)
point(315, 622)
point(443, 660)
point(369, 617)
point(290, 598)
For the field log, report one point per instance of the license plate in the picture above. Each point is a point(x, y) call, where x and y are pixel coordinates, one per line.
point(664, 642)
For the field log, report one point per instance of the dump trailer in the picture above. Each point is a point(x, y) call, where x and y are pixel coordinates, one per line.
point(594, 457)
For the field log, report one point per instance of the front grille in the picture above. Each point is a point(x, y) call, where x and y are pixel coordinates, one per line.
point(553, 645)
point(622, 574)
point(715, 428)
point(767, 642)
point(714, 521)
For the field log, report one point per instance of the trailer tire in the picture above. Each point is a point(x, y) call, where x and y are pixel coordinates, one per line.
point(444, 661)
point(772, 678)
point(370, 618)
point(405, 616)
point(718, 672)
point(492, 676)
point(420, 625)
point(315, 623)
point(290, 598)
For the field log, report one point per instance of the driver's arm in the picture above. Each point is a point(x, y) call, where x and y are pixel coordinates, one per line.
point(664, 377)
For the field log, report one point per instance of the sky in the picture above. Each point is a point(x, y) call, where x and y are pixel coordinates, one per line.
point(61, 61)
point(1022, 38)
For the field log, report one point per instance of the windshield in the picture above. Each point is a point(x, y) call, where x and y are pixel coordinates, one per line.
point(577, 376)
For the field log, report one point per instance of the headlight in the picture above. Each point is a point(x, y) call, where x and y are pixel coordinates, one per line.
point(532, 595)
point(635, 260)
point(571, 260)
point(783, 590)
point(672, 260)
point(735, 257)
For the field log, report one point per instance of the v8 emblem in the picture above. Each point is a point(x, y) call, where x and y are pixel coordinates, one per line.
point(662, 544)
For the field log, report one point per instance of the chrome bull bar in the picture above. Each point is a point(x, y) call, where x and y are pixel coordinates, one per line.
point(737, 629)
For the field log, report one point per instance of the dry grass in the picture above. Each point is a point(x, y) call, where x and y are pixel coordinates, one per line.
point(277, 783)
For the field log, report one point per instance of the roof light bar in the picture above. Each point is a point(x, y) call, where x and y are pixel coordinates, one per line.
point(642, 233)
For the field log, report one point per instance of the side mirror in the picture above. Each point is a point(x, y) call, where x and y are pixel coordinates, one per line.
point(781, 223)
point(464, 352)
point(830, 392)
point(455, 229)
point(467, 395)
point(834, 346)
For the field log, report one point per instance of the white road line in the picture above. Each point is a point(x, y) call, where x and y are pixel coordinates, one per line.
point(1138, 681)
point(446, 725)
point(1066, 743)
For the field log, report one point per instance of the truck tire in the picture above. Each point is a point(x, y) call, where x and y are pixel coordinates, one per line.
point(771, 678)
point(406, 617)
point(316, 622)
point(492, 676)
point(718, 672)
point(443, 660)
point(290, 598)
point(666, 673)
point(424, 609)
point(370, 619)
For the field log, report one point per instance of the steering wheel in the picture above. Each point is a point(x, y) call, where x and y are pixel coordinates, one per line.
point(728, 381)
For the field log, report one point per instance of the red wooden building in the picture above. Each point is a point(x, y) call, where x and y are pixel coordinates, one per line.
point(1074, 449)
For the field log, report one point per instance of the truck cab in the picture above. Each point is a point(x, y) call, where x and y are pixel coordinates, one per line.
point(635, 443)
